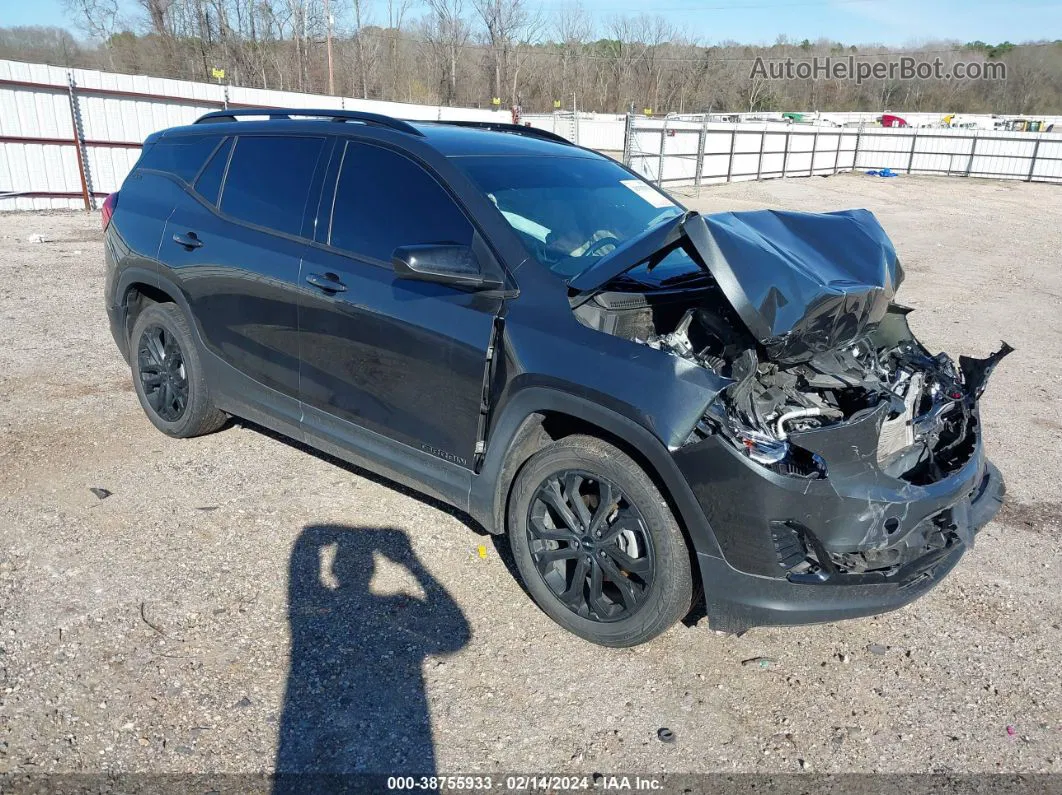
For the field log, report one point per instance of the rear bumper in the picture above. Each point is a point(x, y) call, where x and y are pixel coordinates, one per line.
point(117, 319)
point(736, 600)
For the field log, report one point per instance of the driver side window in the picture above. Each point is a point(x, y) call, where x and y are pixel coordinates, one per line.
point(384, 200)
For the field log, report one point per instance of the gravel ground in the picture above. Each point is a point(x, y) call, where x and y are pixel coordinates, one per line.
point(155, 630)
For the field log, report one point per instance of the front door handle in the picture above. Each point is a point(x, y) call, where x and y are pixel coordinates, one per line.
point(189, 240)
point(328, 282)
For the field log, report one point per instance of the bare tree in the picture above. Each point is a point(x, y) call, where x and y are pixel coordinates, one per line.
point(508, 24)
point(1029, 73)
point(528, 37)
point(755, 91)
point(651, 35)
point(621, 53)
point(359, 45)
point(40, 44)
point(447, 32)
point(572, 28)
point(98, 18)
point(157, 11)
point(396, 14)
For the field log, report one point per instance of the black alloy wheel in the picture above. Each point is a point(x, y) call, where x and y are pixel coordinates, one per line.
point(591, 546)
point(162, 373)
point(168, 375)
point(596, 543)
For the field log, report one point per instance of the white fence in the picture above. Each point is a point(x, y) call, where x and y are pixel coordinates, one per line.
point(69, 136)
point(679, 154)
point(601, 131)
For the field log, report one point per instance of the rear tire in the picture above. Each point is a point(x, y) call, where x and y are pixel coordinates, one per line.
point(168, 376)
point(622, 576)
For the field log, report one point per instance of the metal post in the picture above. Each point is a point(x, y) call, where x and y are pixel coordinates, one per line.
point(855, 154)
point(837, 151)
point(225, 97)
point(914, 145)
point(1032, 165)
point(575, 118)
point(628, 133)
point(79, 141)
point(700, 155)
point(973, 149)
point(814, 148)
point(759, 163)
point(660, 167)
point(785, 154)
point(733, 146)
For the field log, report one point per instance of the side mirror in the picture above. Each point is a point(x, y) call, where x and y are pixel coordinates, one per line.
point(443, 263)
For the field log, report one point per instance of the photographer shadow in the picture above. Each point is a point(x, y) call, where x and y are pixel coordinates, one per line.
point(355, 708)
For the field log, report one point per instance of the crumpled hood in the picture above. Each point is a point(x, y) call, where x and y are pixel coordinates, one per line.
point(803, 283)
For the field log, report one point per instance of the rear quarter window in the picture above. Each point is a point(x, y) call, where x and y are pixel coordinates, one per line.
point(208, 185)
point(182, 157)
point(268, 180)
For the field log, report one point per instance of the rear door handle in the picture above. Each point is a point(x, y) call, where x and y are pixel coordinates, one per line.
point(189, 240)
point(328, 282)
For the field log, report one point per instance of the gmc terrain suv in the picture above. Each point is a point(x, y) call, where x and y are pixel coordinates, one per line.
point(650, 402)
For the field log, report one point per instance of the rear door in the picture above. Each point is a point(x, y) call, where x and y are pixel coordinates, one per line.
point(235, 250)
point(157, 183)
point(403, 359)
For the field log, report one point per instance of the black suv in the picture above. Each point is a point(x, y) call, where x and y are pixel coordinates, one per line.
point(647, 400)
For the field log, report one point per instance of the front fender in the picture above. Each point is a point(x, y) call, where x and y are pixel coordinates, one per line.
point(489, 491)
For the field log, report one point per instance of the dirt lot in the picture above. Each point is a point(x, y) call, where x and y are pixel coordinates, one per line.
point(154, 630)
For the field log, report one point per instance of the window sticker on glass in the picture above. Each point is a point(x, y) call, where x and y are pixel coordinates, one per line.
point(655, 198)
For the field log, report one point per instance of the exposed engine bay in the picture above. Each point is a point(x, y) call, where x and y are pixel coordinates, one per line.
point(795, 313)
point(930, 421)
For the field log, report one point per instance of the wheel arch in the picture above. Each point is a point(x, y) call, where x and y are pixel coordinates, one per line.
point(139, 289)
point(538, 416)
point(137, 297)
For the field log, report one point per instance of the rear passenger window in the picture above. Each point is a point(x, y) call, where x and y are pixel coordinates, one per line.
point(209, 183)
point(268, 181)
point(182, 157)
point(384, 200)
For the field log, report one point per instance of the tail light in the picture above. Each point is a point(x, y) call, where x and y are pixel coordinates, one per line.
point(107, 210)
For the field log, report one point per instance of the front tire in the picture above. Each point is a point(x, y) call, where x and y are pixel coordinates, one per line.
point(168, 376)
point(596, 544)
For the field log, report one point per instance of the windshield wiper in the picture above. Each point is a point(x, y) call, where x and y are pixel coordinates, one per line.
point(685, 278)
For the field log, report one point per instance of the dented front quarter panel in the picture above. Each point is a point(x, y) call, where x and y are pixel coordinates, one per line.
point(663, 393)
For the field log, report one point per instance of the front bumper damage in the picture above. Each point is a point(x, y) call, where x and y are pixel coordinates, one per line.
point(855, 544)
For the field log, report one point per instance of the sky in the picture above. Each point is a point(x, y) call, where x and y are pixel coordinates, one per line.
point(892, 22)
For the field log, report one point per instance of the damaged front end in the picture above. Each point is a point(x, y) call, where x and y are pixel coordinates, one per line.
point(911, 414)
point(842, 451)
point(877, 446)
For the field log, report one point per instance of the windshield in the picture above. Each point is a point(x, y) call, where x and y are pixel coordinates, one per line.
point(571, 211)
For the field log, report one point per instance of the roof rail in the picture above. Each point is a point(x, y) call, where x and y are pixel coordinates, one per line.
point(516, 129)
point(375, 119)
